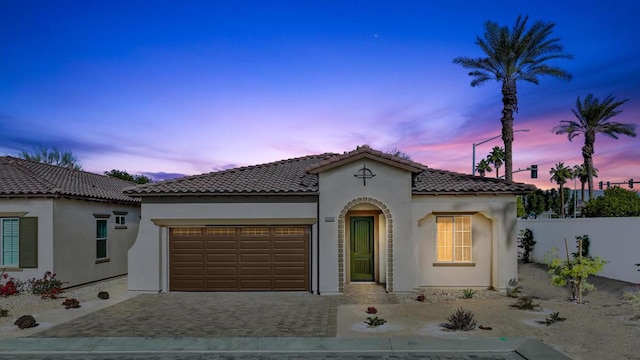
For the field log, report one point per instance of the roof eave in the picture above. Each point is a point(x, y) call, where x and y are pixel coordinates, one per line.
point(364, 155)
point(199, 194)
point(471, 193)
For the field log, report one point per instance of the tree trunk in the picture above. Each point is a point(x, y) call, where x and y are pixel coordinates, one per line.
point(561, 201)
point(510, 105)
point(587, 155)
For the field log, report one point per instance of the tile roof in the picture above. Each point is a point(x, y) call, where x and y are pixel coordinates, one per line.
point(365, 151)
point(280, 177)
point(24, 178)
point(299, 176)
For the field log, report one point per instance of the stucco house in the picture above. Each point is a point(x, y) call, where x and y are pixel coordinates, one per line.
point(76, 224)
point(318, 222)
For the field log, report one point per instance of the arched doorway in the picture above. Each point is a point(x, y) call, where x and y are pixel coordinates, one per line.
point(368, 221)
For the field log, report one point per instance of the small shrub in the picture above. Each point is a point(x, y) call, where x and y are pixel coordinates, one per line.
point(26, 321)
point(48, 287)
point(468, 293)
point(71, 304)
point(526, 243)
point(460, 320)
point(375, 321)
point(553, 318)
point(371, 310)
point(4, 312)
point(525, 303)
point(8, 285)
point(513, 288)
point(632, 297)
point(574, 271)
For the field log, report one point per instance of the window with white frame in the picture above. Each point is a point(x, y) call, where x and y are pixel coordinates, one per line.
point(453, 238)
point(101, 239)
point(120, 219)
point(9, 242)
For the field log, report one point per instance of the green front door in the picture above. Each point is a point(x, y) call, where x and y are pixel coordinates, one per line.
point(362, 263)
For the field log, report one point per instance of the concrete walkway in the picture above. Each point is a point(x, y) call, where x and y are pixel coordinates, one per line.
point(275, 348)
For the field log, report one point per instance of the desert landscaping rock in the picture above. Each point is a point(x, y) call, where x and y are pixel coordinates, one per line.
point(26, 321)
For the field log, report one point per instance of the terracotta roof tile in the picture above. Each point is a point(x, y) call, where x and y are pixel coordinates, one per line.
point(299, 176)
point(19, 177)
point(442, 182)
point(280, 177)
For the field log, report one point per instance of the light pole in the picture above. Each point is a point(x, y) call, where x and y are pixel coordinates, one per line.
point(473, 160)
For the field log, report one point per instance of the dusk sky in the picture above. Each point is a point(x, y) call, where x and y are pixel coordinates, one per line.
point(188, 87)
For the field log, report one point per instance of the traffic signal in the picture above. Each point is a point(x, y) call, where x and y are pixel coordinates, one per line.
point(630, 183)
point(608, 184)
point(600, 185)
point(534, 171)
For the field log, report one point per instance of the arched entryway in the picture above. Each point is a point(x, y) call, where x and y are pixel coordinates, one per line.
point(364, 214)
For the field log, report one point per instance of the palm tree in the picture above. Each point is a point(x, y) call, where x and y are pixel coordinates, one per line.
point(512, 55)
point(594, 117)
point(483, 167)
point(496, 157)
point(580, 172)
point(560, 174)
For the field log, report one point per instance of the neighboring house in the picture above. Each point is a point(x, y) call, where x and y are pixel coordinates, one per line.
point(73, 223)
point(318, 222)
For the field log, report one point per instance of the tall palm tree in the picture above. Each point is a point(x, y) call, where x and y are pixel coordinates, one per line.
point(594, 117)
point(560, 174)
point(512, 55)
point(496, 157)
point(483, 167)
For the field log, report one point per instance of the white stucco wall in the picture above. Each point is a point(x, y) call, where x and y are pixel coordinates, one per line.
point(43, 210)
point(390, 186)
point(148, 261)
point(494, 241)
point(75, 240)
point(616, 240)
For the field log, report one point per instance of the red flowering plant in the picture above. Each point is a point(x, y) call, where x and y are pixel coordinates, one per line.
point(48, 287)
point(8, 285)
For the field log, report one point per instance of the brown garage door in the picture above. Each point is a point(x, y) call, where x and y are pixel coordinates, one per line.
point(239, 258)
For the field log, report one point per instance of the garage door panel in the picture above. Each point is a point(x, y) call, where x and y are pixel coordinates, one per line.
point(264, 244)
point(190, 244)
point(289, 258)
point(222, 284)
point(189, 258)
point(222, 271)
point(290, 270)
point(289, 244)
point(240, 258)
point(255, 258)
point(222, 258)
point(256, 271)
point(255, 284)
point(188, 270)
point(222, 244)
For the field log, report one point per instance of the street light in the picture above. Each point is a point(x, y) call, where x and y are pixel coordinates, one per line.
point(473, 165)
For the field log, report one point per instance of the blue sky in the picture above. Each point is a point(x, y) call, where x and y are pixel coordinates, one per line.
point(191, 87)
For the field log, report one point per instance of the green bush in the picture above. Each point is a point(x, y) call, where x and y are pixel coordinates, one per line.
point(616, 202)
